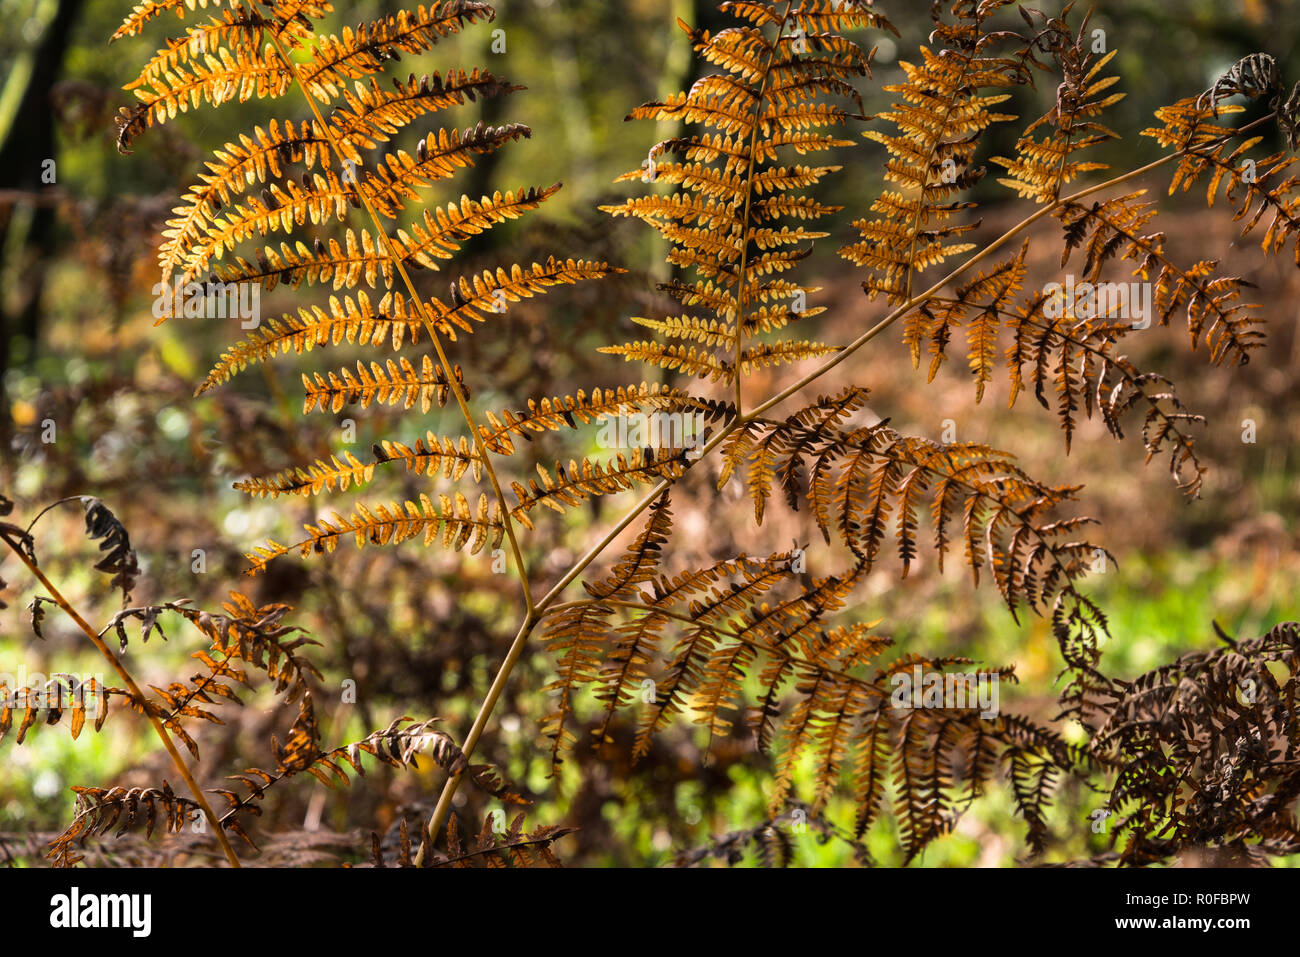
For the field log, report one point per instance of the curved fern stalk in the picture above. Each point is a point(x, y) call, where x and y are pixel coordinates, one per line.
point(447, 367)
point(116, 664)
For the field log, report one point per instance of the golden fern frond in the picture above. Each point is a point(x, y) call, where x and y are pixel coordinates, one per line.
point(364, 51)
point(1245, 180)
point(586, 479)
point(237, 167)
point(705, 364)
point(316, 478)
point(432, 455)
point(438, 156)
point(399, 746)
point(344, 265)
point(603, 405)
point(390, 322)
point(1040, 168)
point(779, 69)
point(323, 196)
point(318, 198)
point(389, 384)
point(987, 295)
point(371, 114)
point(941, 118)
point(393, 321)
point(440, 234)
point(709, 332)
point(240, 24)
point(782, 352)
point(47, 705)
point(356, 260)
point(258, 636)
point(452, 522)
point(475, 297)
point(216, 78)
point(576, 636)
point(147, 10)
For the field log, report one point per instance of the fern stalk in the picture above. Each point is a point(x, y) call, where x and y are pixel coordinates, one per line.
point(749, 196)
point(138, 695)
point(422, 307)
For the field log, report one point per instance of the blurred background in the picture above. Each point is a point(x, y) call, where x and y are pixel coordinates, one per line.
point(421, 632)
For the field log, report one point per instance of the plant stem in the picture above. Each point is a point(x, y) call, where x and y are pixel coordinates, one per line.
point(422, 307)
point(138, 695)
point(749, 196)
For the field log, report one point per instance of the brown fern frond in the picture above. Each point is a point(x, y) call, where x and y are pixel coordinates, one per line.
point(399, 746)
point(1067, 350)
point(512, 849)
point(943, 114)
point(100, 809)
point(1211, 303)
point(1205, 751)
point(729, 636)
point(1040, 168)
point(870, 481)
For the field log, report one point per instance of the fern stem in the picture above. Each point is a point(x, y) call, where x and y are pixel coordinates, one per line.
point(449, 787)
point(139, 696)
point(749, 196)
point(422, 307)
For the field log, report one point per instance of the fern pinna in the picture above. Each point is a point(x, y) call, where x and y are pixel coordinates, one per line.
point(736, 194)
